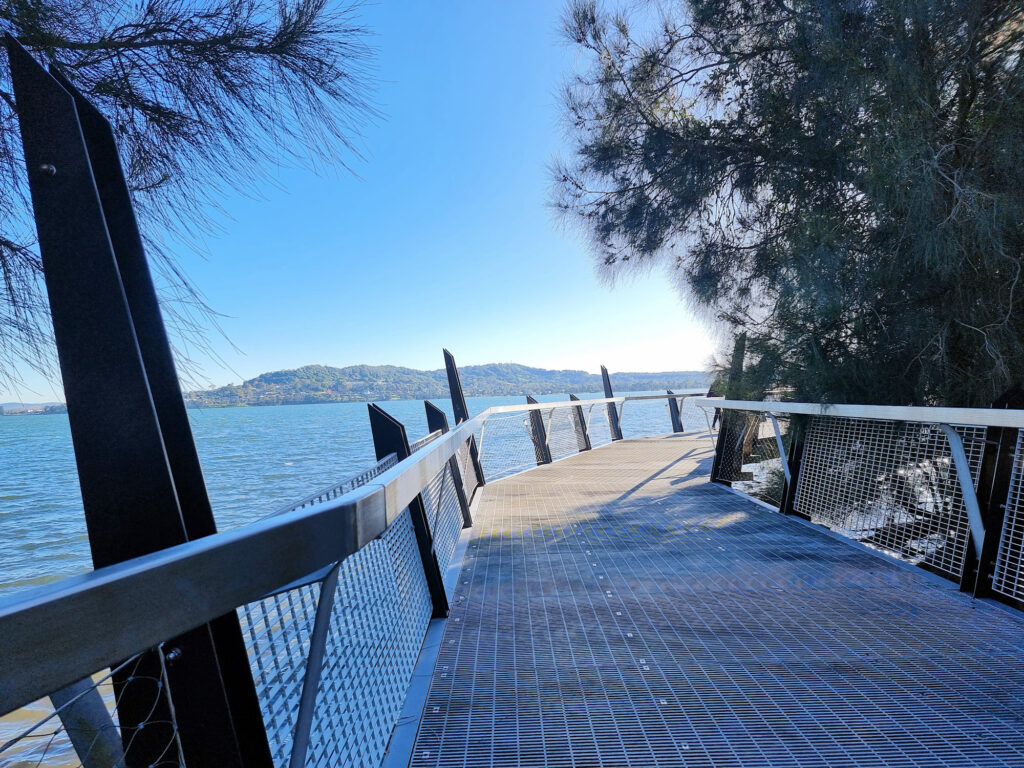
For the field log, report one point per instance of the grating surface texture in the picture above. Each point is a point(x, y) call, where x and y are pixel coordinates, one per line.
point(890, 484)
point(615, 609)
point(380, 615)
point(444, 515)
point(1009, 571)
point(277, 631)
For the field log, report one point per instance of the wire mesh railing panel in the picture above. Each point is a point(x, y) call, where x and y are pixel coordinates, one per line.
point(349, 484)
point(890, 484)
point(506, 444)
point(597, 425)
point(1008, 576)
point(278, 630)
point(433, 496)
point(464, 458)
point(562, 432)
point(695, 418)
point(79, 725)
point(645, 418)
point(445, 516)
point(750, 460)
point(378, 622)
point(277, 633)
point(424, 441)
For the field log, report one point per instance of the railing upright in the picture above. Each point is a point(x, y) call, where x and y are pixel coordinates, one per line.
point(993, 488)
point(673, 413)
point(538, 435)
point(461, 411)
point(728, 446)
point(389, 437)
point(139, 458)
point(613, 414)
point(580, 426)
point(797, 430)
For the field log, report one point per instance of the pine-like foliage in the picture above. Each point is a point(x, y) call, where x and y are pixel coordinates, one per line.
point(843, 180)
point(203, 95)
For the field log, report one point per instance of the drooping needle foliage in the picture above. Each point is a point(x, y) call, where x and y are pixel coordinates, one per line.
point(842, 180)
point(203, 97)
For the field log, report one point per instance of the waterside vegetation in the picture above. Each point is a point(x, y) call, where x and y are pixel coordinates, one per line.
point(325, 384)
point(840, 182)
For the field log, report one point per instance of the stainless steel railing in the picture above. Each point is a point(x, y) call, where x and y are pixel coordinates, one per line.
point(332, 591)
point(902, 479)
point(323, 588)
point(509, 443)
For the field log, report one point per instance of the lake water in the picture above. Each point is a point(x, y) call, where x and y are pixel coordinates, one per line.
point(255, 460)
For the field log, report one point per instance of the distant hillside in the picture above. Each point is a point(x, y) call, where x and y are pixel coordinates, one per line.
point(324, 384)
point(15, 409)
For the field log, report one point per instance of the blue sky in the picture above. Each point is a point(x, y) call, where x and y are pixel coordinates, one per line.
point(445, 238)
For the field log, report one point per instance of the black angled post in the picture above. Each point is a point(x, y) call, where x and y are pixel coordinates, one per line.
point(731, 425)
point(993, 489)
point(798, 425)
point(162, 375)
point(613, 415)
point(389, 437)
point(461, 411)
point(580, 425)
point(136, 465)
point(673, 413)
point(538, 435)
point(437, 421)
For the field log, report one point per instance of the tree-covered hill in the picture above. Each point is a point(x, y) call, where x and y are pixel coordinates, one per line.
point(324, 384)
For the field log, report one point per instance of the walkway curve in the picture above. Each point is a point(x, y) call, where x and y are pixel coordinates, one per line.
point(617, 609)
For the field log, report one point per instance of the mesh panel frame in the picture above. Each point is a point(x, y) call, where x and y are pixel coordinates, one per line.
point(444, 515)
point(445, 520)
point(464, 457)
point(1008, 576)
point(277, 633)
point(424, 441)
point(378, 622)
point(598, 427)
point(891, 484)
point(345, 486)
point(750, 461)
point(694, 418)
point(278, 630)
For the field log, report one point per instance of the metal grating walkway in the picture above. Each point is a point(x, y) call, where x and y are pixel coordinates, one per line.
point(615, 609)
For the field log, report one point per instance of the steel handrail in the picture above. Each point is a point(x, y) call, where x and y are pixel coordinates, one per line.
point(674, 395)
point(981, 417)
point(944, 418)
point(151, 598)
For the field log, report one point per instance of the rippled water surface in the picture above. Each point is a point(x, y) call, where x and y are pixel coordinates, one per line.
point(256, 460)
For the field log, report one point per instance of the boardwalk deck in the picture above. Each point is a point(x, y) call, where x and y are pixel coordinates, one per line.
point(616, 609)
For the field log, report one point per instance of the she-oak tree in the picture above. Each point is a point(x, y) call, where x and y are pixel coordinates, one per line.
point(841, 180)
point(202, 95)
